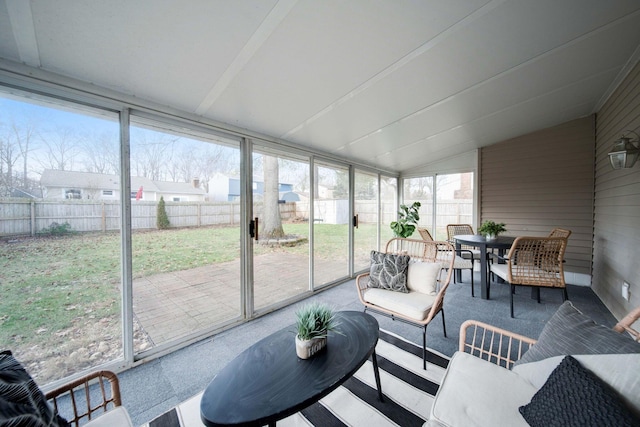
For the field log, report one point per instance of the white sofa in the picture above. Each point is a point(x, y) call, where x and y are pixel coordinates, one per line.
point(495, 373)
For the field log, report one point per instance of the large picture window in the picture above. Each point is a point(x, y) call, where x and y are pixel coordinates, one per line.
point(60, 309)
point(445, 199)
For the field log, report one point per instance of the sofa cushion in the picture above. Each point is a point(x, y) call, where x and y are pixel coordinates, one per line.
point(414, 305)
point(569, 331)
point(475, 392)
point(423, 277)
point(388, 271)
point(21, 401)
point(574, 396)
point(117, 416)
point(613, 369)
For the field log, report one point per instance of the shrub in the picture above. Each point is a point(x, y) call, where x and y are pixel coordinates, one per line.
point(56, 229)
point(162, 220)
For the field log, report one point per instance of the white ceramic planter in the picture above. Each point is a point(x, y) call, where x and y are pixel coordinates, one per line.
point(307, 348)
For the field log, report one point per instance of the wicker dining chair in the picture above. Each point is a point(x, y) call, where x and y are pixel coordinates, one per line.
point(463, 257)
point(535, 262)
point(560, 232)
point(424, 233)
point(89, 397)
point(458, 229)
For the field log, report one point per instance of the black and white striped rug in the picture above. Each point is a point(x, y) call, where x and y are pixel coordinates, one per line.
point(407, 388)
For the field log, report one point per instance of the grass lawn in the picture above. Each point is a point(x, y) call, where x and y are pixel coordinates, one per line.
point(62, 294)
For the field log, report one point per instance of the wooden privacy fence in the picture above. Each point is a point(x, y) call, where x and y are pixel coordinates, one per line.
point(28, 217)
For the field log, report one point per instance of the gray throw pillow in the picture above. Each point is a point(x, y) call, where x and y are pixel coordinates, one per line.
point(569, 331)
point(389, 271)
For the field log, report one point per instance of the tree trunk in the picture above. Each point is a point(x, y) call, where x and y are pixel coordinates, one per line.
point(271, 223)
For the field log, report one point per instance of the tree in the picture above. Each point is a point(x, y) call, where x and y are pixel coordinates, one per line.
point(271, 223)
point(162, 220)
point(60, 150)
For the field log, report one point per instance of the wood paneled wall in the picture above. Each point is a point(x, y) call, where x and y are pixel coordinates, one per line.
point(544, 180)
point(616, 245)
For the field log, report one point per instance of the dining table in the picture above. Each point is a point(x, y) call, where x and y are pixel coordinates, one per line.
point(501, 243)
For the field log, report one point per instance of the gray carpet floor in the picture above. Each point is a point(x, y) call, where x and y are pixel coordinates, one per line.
point(150, 389)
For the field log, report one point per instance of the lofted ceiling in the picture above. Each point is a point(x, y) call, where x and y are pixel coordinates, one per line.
point(395, 84)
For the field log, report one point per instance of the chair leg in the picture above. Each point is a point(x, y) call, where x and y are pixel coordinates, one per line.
point(565, 295)
point(472, 292)
point(537, 294)
point(513, 289)
point(424, 347)
point(444, 327)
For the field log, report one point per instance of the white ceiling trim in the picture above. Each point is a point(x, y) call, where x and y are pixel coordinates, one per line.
point(399, 64)
point(24, 31)
point(259, 37)
point(631, 63)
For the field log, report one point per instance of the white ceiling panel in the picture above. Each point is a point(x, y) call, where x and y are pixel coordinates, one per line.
point(469, 56)
point(394, 84)
point(167, 53)
point(322, 51)
point(560, 68)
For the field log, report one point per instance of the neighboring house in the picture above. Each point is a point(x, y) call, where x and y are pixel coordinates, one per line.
point(223, 188)
point(58, 184)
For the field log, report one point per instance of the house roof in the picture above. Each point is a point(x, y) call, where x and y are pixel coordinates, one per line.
point(98, 181)
point(391, 83)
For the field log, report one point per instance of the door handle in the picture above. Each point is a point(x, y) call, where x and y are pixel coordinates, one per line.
point(355, 220)
point(253, 228)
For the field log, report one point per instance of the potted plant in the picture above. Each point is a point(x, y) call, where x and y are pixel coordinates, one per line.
point(491, 229)
point(313, 322)
point(407, 220)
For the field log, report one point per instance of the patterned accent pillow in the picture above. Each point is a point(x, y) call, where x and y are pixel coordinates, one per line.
point(21, 401)
point(389, 271)
point(574, 396)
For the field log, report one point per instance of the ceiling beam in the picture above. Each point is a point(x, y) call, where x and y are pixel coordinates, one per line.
point(24, 31)
point(259, 37)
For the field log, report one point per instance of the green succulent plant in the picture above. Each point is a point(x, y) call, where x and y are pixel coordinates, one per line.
point(314, 321)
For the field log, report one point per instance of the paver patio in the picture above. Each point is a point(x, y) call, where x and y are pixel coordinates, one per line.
point(176, 304)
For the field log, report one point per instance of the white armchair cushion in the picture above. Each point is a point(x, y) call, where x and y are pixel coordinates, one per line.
point(423, 277)
point(116, 417)
point(500, 270)
point(414, 305)
point(475, 392)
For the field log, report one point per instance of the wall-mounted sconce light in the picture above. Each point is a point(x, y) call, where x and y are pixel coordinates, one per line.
point(625, 151)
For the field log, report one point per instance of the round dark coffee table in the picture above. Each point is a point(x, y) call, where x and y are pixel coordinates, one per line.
point(268, 382)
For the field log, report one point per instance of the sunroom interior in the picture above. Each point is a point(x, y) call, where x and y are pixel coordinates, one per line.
point(507, 108)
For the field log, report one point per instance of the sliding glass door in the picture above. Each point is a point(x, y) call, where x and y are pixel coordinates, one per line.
point(280, 189)
point(330, 223)
point(365, 233)
point(185, 213)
